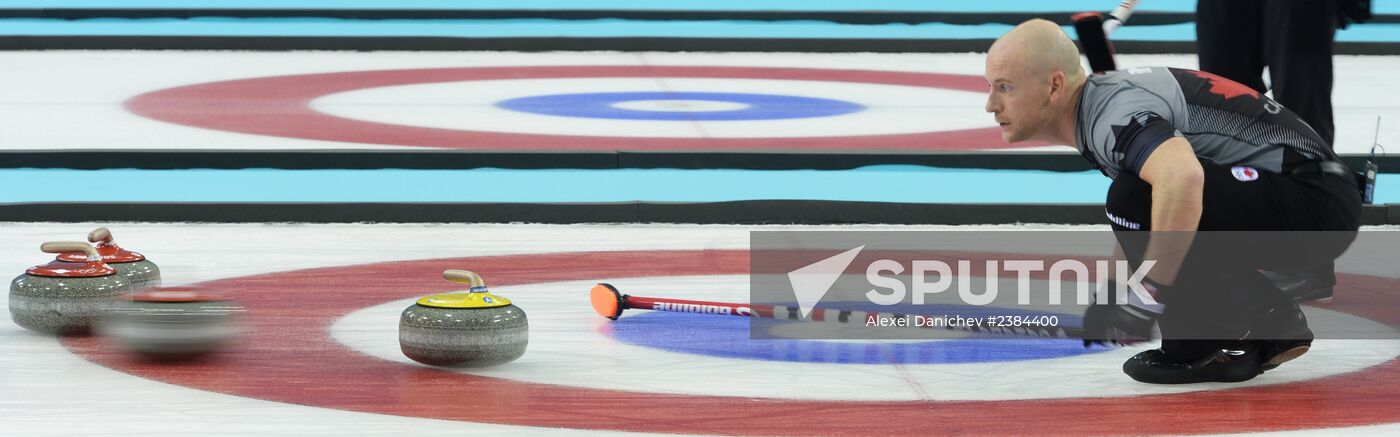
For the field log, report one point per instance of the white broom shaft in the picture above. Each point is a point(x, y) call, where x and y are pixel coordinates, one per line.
point(1118, 16)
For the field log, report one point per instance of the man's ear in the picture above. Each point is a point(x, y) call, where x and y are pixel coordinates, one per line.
point(1057, 83)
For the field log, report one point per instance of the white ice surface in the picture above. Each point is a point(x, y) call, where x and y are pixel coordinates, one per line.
point(72, 99)
point(47, 390)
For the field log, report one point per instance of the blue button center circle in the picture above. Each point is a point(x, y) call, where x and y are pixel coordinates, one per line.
point(757, 106)
point(728, 337)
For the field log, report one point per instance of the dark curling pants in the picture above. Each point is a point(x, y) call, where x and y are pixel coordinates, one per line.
point(1274, 222)
point(1236, 39)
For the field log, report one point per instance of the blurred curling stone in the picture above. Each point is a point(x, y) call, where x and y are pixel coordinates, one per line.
point(65, 297)
point(473, 329)
point(141, 272)
point(174, 323)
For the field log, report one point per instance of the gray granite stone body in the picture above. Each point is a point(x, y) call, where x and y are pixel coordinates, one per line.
point(463, 337)
point(171, 330)
point(141, 274)
point(54, 305)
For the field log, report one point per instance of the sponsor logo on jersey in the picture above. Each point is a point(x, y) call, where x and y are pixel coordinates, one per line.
point(1244, 173)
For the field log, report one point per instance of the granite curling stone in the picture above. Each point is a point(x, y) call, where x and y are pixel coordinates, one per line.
point(65, 297)
point(171, 324)
point(141, 272)
point(474, 329)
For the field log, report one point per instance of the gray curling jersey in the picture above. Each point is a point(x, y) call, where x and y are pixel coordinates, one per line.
point(1124, 115)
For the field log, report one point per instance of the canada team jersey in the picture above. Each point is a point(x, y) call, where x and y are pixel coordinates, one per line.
point(1124, 115)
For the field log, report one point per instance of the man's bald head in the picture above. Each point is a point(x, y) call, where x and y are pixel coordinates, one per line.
point(1035, 76)
point(1038, 47)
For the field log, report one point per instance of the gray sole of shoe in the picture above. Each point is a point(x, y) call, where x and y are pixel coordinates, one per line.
point(1323, 295)
point(1285, 356)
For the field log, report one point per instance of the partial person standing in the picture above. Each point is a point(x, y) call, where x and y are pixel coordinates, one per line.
point(1237, 39)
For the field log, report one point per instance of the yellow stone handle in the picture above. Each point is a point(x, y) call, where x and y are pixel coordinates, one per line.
point(464, 277)
point(100, 235)
point(71, 246)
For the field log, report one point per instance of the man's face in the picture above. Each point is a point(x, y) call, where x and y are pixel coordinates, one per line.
point(1019, 100)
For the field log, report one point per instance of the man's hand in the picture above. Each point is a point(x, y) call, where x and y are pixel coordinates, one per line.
point(1108, 322)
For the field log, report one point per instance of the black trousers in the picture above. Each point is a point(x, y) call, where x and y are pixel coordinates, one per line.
point(1271, 222)
point(1236, 39)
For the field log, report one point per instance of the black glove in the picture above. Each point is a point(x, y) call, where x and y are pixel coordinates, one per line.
point(1117, 324)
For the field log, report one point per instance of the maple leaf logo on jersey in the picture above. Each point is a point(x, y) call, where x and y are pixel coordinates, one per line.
point(1226, 88)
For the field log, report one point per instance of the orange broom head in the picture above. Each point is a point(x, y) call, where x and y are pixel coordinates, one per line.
point(606, 300)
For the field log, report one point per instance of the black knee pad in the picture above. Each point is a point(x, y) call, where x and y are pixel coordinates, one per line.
point(1129, 203)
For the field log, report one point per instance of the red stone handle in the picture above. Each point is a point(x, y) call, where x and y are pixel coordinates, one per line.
point(100, 235)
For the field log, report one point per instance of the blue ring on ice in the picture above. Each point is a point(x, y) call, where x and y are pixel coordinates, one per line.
point(758, 106)
point(728, 337)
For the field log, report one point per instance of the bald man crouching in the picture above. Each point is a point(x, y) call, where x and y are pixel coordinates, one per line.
point(1187, 151)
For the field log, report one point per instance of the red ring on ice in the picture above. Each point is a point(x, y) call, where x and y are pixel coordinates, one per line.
point(280, 106)
point(289, 356)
